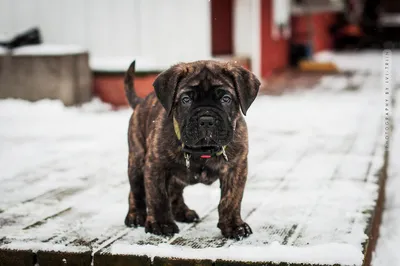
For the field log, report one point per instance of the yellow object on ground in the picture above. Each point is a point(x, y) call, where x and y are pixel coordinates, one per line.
point(309, 65)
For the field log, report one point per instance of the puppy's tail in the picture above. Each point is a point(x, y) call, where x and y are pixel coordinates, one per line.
point(130, 93)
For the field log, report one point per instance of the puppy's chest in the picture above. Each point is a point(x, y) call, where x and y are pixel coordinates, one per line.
point(203, 172)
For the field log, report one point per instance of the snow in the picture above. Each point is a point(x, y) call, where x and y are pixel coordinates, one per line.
point(3, 51)
point(311, 185)
point(45, 247)
point(361, 61)
point(44, 50)
point(48, 50)
point(121, 64)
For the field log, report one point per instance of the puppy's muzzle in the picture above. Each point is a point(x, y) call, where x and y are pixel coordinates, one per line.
point(207, 128)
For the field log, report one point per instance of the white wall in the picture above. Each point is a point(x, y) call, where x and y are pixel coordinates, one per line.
point(242, 18)
point(162, 31)
point(247, 31)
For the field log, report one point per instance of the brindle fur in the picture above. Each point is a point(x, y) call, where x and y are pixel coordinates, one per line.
point(156, 166)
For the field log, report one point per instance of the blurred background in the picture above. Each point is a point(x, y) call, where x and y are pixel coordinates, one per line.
point(74, 50)
point(328, 136)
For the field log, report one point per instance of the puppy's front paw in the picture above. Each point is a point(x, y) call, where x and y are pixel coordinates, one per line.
point(237, 232)
point(134, 219)
point(158, 228)
point(188, 216)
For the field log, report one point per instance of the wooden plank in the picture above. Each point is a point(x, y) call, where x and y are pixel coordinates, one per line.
point(56, 223)
point(310, 195)
point(338, 173)
point(236, 263)
point(83, 79)
point(207, 209)
point(54, 258)
point(50, 23)
point(9, 257)
point(7, 26)
point(59, 219)
point(121, 260)
point(180, 262)
point(73, 30)
point(372, 229)
point(125, 29)
point(95, 14)
point(52, 202)
point(69, 235)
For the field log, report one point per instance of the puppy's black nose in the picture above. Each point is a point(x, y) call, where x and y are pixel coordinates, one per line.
point(206, 121)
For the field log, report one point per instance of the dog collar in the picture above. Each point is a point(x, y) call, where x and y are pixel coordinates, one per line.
point(204, 154)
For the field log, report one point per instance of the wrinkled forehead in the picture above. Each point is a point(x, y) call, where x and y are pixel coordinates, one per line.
point(206, 78)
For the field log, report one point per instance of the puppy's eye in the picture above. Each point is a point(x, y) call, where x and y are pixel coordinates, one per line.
point(226, 99)
point(186, 100)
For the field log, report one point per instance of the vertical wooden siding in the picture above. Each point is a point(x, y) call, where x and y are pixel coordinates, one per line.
point(163, 31)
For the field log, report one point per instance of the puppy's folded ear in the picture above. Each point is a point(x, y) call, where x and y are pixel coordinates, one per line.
point(246, 86)
point(166, 84)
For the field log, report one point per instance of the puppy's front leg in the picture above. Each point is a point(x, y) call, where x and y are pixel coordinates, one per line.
point(232, 188)
point(159, 220)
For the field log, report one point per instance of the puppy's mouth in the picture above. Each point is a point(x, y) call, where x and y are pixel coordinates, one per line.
point(206, 142)
point(203, 151)
point(202, 148)
point(207, 129)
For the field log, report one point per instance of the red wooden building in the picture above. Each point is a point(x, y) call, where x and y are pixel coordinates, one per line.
point(244, 30)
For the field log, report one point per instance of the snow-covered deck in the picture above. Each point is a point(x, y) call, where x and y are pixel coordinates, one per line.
point(314, 169)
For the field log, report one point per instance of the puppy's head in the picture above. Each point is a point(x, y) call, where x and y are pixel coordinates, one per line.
point(205, 98)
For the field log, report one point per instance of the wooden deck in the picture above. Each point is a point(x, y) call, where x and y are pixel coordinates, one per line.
point(313, 197)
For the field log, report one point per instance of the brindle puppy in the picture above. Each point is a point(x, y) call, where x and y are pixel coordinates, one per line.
point(190, 130)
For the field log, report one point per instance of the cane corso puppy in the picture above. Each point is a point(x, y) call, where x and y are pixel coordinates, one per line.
point(189, 130)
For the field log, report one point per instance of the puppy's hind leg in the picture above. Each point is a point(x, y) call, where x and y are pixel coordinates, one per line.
point(137, 199)
point(180, 210)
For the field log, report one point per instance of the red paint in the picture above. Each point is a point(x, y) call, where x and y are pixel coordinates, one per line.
point(320, 23)
point(110, 88)
point(222, 27)
point(205, 156)
point(300, 29)
point(274, 53)
point(323, 39)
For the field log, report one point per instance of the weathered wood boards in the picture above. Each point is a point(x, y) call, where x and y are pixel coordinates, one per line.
point(312, 198)
point(41, 72)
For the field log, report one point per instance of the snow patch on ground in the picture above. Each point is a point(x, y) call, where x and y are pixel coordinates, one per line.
point(34, 247)
point(47, 50)
point(3, 51)
point(44, 137)
point(361, 61)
